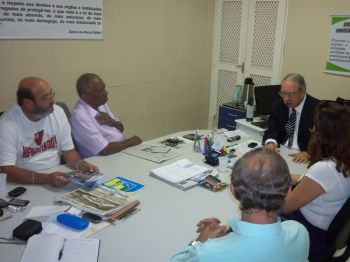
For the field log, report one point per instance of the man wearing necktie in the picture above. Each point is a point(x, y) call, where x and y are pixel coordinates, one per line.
point(292, 116)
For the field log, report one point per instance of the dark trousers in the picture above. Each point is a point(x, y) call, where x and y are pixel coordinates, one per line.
point(319, 244)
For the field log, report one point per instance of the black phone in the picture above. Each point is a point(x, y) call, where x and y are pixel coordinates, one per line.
point(92, 217)
point(18, 202)
point(3, 203)
point(234, 138)
point(17, 191)
point(252, 144)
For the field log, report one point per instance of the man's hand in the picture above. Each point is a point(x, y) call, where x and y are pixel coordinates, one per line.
point(105, 119)
point(57, 179)
point(87, 167)
point(210, 228)
point(118, 125)
point(133, 141)
point(301, 157)
point(271, 146)
point(207, 222)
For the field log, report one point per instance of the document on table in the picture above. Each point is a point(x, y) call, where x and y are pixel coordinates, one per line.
point(236, 133)
point(179, 171)
point(155, 153)
point(53, 248)
point(244, 147)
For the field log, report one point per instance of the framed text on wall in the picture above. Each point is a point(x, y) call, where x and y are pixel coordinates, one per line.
point(51, 19)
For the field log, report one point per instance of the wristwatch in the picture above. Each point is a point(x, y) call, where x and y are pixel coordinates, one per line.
point(193, 242)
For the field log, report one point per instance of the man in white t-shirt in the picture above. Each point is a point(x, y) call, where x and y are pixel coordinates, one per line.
point(33, 135)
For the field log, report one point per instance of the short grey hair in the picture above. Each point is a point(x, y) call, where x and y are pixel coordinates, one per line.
point(84, 82)
point(261, 180)
point(297, 79)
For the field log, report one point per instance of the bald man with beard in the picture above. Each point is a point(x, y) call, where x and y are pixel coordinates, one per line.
point(33, 135)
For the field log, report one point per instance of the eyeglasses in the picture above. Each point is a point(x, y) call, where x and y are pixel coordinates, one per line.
point(48, 96)
point(288, 95)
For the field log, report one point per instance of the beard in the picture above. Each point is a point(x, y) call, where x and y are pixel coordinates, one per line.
point(41, 112)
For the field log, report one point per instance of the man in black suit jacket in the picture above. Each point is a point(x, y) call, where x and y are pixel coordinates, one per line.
point(293, 95)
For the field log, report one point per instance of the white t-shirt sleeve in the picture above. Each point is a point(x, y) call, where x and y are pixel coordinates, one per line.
point(8, 141)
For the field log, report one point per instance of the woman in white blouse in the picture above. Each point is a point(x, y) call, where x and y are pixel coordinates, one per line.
point(323, 190)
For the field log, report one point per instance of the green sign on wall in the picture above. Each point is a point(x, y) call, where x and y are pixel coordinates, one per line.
point(339, 46)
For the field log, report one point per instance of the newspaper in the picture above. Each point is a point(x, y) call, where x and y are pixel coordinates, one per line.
point(98, 201)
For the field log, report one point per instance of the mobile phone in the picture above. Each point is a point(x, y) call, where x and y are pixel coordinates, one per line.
point(17, 191)
point(234, 138)
point(3, 203)
point(92, 217)
point(18, 202)
point(252, 144)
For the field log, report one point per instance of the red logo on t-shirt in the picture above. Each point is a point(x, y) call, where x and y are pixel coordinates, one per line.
point(46, 145)
point(38, 137)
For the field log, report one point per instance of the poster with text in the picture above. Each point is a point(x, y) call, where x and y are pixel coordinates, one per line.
point(339, 46)
point(51, 19)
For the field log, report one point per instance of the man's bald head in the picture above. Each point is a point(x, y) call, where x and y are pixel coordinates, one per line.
point(36, 98)
point(28, 87)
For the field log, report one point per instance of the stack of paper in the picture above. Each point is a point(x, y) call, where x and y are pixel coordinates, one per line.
point(182, 174)
point(99, 201)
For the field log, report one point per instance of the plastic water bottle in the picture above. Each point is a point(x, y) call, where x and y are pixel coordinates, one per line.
point(238, 95)
point(250, 109)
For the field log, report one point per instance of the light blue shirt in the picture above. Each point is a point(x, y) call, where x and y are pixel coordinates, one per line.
point(281, 241)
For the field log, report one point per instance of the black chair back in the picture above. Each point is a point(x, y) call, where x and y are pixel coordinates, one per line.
point(339, 234)
point(65, 108)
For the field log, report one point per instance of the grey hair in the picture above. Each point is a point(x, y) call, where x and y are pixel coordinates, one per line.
point(84, 82)
point(261, 180)
point(297, 79)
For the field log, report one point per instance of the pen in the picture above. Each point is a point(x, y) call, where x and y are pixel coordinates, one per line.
point(61, 250)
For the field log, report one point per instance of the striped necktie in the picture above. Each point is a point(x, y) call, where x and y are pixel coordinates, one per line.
point(290, 126)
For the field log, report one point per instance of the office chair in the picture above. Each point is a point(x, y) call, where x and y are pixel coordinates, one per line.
point(338, 235)
point(65, 108)
point(343, 101)
point(67, 112)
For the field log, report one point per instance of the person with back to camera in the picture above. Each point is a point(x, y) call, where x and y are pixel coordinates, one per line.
point(95, 130)
point(260, 181)
point(291, 118)
point(33, 134)
point(325, 187)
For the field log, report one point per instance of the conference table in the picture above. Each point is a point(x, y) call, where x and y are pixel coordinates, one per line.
point(168, 216)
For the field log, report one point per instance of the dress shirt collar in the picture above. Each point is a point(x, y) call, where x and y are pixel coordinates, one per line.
point(91, 111)
point(252, 229)
point(299, 108)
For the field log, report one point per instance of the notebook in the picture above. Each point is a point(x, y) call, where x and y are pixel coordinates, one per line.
point(53, 248)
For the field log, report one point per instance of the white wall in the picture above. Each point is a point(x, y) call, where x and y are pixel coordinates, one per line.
point(155, 59)
point(307, 43)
